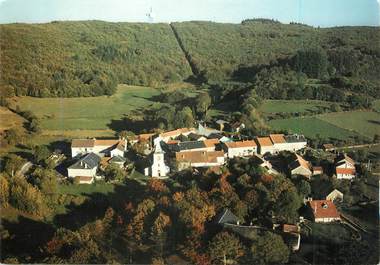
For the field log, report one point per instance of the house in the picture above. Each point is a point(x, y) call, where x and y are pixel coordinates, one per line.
point(158, 169)
point(317, 170)
point(279, 142)
point(220, 137)
point(300, 167)
point(100, 147)
point(237, 127)
point(118, 160)
point(84, 179)
point(196, 137)
point(323, 211)
point(166, 136)
point(265, 145)
point(295, 142)
point(84, 167)
point(240, 148)
point(335, 195)
point(199, 159)
point(226, 217)
point(207, 145)
point(345, 167)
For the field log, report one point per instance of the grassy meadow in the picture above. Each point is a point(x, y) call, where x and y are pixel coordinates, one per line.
point(311, 127)
point(292, 106)
point(366, 123)
point(9, 119)
point(69, 116)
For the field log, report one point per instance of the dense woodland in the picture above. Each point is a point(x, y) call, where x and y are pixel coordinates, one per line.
point(71, 59)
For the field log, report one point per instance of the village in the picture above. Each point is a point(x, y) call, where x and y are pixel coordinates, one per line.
point(204, 148)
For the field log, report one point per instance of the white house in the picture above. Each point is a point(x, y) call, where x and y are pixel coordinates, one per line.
point(199, 159)
point(99, 147)
point(265, 145)
point(301, 167)
point(295, 142)
point(324, 211)
point(84, 167)
point(345, 167)
point(279, 142)
point(240, 148)
point(158, 169)
point(335, 195)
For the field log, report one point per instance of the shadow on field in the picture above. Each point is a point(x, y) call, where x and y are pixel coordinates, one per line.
point(97, 203)
point(135, 126)
point(26, 237)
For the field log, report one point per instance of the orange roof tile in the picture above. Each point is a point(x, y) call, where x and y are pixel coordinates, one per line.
point(106, 142)
point(145, 136)
point(82, 143)
point(264, 141)
point(324, 209)
point(345, 171)
point(241, 144)
point(277, 138)
point(211, 142)
point(173, 141)
point(303, 162)
point(291, 228)
point(175, 132)
point(199, 156)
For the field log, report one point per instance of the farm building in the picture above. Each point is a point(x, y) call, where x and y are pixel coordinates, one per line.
point(345, 167)
point(84, 167)
point(199, 159)
point(323, 211)
point(240, 148)
point(265, 145)
point(111, 147)
point(300, 167)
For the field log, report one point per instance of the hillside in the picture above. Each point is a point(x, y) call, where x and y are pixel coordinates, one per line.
point(73, 59)
point(226, 51)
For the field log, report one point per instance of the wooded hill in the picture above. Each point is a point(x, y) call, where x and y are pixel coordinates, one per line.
point(88, 58)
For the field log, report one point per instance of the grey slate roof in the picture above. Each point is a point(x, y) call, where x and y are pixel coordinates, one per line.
point(91, 160)
point(295, 138)
point(226, 217)
point(186, 146)
point(118, 159)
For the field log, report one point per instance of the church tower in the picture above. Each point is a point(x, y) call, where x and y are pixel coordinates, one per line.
point(159, 168)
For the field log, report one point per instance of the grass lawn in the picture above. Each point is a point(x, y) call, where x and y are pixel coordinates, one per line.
point(330, 233)
point(292, 106)
point(91, 113)
point(310, 127)
point(366, 123)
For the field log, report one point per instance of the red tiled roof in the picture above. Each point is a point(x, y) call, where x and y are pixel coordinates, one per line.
point(211, 142)
point(175, 132)
point(241, 144)
point(106, 142)
point(198, 156)
point(290, 228)
point(277, 138)
point(324, 209)
point(264, 141)
point(173, 141)
point(145, 136)
point(85, 178)
point(82, 143)
point(345, 171)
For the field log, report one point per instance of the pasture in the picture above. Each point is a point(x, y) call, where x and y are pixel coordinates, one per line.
point(292, 106)
point(60, 115)
point(366, 123)
point(311, 127)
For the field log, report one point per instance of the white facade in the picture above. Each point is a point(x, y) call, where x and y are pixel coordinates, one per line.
point(241, 151)
point(187, 164)
point(74, 172)
point(326, 220)
point(158, 169)
point(267, 149)
point(75, 151)
point(117, 152)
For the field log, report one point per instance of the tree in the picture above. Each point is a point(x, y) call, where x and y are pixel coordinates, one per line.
point(335, 107)
point(270, 249)
point(312, 62)
point(13, 163)
point(46, 180)
point(114, 172)
point(14, 136)
point(225, 247)
point(4, 192)
point(287, 205)
point(41, 153)
point(202, 103)
point(303, 187)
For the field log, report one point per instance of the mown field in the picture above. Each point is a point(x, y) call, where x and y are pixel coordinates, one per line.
point(68, 116)
point(311, 127)
point(376, 105)
point(292, 106)
point(366, 123)
point(338, 125)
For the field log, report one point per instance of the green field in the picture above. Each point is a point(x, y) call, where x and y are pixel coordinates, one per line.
point(91, 113)
point(311, 127)
point(366, 123)
point(82, 189)
point(292, 106)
